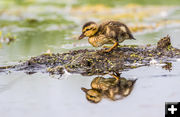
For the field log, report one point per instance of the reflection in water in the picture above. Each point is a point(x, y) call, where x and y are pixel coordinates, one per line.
point(8, 38)
point(167, 66)
point(111, 88)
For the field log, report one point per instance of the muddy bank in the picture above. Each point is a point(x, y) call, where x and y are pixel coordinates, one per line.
point(91, 62)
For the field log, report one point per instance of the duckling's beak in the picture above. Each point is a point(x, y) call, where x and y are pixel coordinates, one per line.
point(81, 36)
point(84, 89)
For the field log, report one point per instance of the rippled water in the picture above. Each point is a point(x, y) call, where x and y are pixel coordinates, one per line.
point(39, 28)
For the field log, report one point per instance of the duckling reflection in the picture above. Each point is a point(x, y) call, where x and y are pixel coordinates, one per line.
point(109, 88)
point(167, 66)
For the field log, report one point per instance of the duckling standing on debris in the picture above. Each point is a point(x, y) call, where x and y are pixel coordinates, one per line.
point(110, 32)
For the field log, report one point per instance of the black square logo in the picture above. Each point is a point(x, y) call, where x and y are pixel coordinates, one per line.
point(172, 109)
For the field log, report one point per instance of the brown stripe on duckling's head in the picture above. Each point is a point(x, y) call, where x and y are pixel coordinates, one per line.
point(88, 23)
point(89, 29)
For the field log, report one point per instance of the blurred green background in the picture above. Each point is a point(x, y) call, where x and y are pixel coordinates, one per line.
point(41, 25)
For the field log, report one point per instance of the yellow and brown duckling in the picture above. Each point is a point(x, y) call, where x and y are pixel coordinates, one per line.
point(109, 88)
point(101, 87)
point(110, 32)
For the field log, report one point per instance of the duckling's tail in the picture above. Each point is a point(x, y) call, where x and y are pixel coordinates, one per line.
point(132, 37)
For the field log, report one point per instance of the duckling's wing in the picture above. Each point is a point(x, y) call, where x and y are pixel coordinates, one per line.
point(109, 30)
point(118, 30)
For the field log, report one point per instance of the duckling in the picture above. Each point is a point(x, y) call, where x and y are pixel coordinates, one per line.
point(108, 87)
point(101, 87)
point(110, 32)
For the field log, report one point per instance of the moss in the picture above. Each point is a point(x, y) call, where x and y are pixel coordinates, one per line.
point(150, 55)
point(92, 62)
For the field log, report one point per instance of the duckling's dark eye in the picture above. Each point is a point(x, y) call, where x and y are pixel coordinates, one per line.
point(92, 96)
point(88, 29)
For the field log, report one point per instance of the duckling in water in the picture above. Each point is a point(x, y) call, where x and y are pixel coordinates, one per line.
point(110, 32)
point(109, 88)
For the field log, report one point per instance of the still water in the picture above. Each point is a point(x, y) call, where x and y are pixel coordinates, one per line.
point(42, 26)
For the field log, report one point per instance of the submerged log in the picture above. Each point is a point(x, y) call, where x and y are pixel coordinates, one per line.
point(91, 62)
